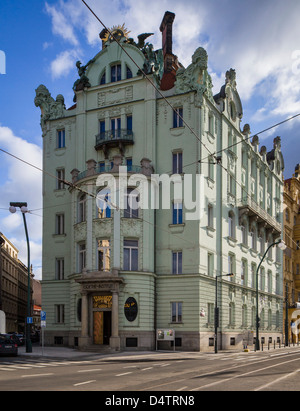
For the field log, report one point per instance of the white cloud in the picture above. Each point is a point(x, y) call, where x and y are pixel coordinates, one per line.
point(21, 182)
point(64, 63)
point(60, 25)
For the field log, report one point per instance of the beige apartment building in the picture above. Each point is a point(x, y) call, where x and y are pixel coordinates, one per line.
point(291, 259)
point(13, 287)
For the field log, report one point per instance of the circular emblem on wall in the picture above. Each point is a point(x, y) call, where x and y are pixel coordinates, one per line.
point(130, 309)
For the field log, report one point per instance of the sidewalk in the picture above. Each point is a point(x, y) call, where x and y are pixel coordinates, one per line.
point(67, 353)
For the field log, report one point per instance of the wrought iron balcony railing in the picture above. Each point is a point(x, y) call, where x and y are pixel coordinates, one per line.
point(114, 136)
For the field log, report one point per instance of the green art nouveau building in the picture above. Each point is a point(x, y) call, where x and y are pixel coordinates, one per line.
point(113, 276)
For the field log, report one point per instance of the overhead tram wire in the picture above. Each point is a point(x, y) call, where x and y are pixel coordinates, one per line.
point(214, 155)
point(147, 77)
point(166, 100)
point(71, 185)
point(253, 135)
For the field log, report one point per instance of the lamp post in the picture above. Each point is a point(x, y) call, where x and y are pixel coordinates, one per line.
point(282, 246)
point(217, 309)
point(12, 209)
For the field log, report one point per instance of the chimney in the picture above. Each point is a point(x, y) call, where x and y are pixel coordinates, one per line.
point(170, 61)
point(166, 29)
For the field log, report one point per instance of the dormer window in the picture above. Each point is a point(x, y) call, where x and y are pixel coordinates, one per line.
point(115, 73)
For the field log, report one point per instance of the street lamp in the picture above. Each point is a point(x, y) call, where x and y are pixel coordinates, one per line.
point(217, 309)
point(281, 244)
point(23, 208)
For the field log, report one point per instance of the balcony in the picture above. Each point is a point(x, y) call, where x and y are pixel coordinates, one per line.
point(253, 210)
point(113, 138)
point(94, 169)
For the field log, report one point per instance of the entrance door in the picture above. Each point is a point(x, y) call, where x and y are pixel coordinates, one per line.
point(102, 327)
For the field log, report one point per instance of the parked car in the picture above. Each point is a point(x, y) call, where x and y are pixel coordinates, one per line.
point(17, 338)
point(7, 346)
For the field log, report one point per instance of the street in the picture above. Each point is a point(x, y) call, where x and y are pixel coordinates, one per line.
point(275, 370)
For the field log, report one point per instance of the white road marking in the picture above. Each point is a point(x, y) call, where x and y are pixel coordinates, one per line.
point(262, 387)
point(96, 369)
point(125, 373)
point(36, 375)
point(82, 383)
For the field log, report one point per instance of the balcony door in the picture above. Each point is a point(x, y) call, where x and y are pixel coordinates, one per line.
point(115, 127)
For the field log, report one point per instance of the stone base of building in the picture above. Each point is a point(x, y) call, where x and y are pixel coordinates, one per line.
point(238, 340)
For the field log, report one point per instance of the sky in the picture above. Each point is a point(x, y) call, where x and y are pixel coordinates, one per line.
point(40, 42)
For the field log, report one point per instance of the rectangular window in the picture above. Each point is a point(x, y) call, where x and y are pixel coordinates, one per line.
point(81, 208)
point(102, 128)
point(231, 264)
point(59, 268)
point(60, 177)
point(177, 262)
point(115, 73)
point(244, 272)
point(81, 257)
point(210, 313)
point(269, 281)
point(210, 264)
point(211, 164)
point(59, 313)
point(104, 206)
point(129, 123)
point(210, 217)
point(176, 312)
point(253, 276)
point(177, 117)
point(177, 163)
point(60, 139)
point(129, 164)
point(231, 184)
point(177, 213)
point(59, 224)
point(103, 255)
point(131, 252)
point(101, 165)
point(131, 203)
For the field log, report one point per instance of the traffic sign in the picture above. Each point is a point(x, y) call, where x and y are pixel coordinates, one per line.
point(43, 315)
point(43, 323)
point(29, 320)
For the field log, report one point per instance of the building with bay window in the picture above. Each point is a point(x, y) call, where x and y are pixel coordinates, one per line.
point(116, 269)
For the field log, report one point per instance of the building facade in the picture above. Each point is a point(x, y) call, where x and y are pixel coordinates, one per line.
point(13, 287)
point(291, 258)
point(112, 275)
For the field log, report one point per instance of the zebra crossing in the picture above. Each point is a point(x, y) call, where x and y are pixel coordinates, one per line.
point(28, 364)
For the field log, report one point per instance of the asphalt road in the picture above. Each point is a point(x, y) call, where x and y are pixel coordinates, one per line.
point(171, 374)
